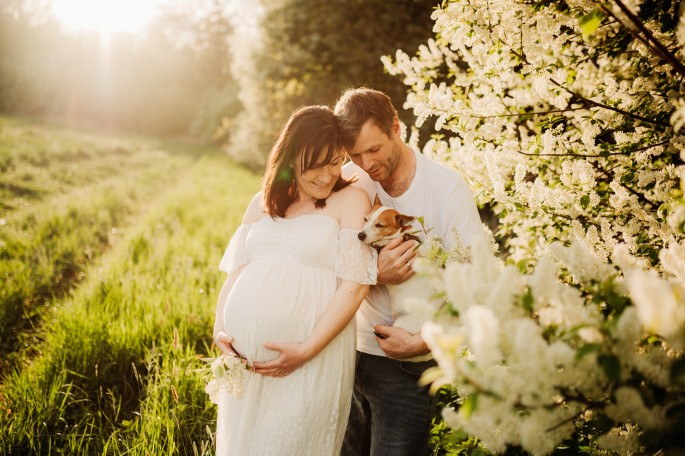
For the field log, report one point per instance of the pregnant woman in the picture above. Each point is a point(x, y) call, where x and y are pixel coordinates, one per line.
point(297, 274)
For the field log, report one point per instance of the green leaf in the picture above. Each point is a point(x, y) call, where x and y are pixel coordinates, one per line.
point(628, 177)
point(219, 371)
point(469, 406)
point(522, 265)
point(616, 302)
point(528, 300)
point(585, 350)
point(611, 366)
point(601, 423)
point(589, 23)
point(477, 452)
point(584, 201)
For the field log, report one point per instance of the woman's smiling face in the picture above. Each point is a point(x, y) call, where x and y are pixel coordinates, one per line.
point(318, 181)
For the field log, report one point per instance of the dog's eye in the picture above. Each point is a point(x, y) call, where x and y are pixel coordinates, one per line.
point(378, 225)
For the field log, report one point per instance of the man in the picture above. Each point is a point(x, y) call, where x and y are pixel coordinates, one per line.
point(390, 413)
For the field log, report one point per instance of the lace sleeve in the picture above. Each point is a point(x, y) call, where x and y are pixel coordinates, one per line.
point(356, 261)
point(236, 253)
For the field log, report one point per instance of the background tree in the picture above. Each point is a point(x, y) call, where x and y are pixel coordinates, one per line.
point(308, 52)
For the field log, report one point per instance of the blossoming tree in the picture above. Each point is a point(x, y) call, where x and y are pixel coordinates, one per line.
point(565, 118)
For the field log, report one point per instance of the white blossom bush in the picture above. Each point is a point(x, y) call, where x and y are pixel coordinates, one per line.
point(565, 117)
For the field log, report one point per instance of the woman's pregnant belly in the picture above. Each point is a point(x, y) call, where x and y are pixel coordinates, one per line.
point(275, 301)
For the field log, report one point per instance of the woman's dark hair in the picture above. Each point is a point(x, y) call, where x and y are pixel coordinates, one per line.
point(309, 139)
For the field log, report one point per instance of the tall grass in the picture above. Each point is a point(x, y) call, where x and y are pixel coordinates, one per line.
point(116, 369)
point(39, 160)
point(71, 218)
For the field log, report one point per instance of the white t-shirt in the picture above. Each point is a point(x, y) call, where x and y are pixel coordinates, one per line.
point(439, 195)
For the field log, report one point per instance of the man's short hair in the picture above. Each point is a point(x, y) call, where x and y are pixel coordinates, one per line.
point(356, 106)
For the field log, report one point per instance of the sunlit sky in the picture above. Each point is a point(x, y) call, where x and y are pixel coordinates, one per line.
point(105, 16)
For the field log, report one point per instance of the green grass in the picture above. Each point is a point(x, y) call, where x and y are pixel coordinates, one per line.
point(111, 368)
point(55, 222)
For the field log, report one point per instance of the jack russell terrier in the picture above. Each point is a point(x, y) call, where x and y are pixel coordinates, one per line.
point(382, 225)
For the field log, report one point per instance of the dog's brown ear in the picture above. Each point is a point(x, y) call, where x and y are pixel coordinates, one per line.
point(377, 202)
point(404, 220)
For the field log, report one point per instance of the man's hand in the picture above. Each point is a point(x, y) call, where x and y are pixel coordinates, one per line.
point(398, 343)
point(394, 262)
point(291, 357)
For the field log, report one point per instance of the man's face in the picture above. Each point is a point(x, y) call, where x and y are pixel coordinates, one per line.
point(375, 152)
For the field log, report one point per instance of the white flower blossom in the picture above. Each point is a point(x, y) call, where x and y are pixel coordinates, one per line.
point(660, 303)
point(228, 375)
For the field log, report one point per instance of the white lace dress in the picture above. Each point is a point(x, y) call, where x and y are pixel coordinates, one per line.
point(292, 269)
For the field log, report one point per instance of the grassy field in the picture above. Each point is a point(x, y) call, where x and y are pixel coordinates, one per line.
point(108, 255)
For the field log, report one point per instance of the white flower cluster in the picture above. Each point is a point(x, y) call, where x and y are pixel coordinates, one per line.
point(227, 375)
point(578, 151)
point(533, 358)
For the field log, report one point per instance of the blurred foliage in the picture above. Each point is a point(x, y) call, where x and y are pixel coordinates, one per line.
point(157, 82)
point(309, 52)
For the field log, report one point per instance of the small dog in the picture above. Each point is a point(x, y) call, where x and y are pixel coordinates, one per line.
point(382, 225)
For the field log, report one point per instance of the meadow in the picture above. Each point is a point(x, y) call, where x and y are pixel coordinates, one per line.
point(109, 248)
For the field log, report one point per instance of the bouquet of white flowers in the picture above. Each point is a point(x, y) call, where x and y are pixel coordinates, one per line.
point(226, 374)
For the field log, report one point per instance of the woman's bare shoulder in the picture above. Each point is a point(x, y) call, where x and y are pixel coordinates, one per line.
point(352, 204)
point(353, 194)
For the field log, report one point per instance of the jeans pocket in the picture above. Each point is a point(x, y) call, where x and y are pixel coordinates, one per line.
point(416, 369)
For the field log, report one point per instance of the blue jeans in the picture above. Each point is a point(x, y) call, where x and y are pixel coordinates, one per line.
point(391, 413)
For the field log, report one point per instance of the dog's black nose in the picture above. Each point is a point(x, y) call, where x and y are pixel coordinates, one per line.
point(361, 235)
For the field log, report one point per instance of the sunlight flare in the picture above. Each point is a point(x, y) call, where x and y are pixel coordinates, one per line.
point(105, 16)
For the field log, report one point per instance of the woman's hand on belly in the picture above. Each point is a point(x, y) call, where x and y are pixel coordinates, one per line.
point(291, 357)
point(225, 344)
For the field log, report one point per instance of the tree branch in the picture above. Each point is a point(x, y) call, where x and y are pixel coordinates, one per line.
point(653, 207)
point(564, 421)
point(575, 155)
point(610, 108)
point(649, 40)
point(534, 113)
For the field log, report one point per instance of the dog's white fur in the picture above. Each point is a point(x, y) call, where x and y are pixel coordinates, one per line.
point(413, 301)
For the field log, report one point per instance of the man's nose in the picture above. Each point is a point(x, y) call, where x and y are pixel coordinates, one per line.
point(365, 162)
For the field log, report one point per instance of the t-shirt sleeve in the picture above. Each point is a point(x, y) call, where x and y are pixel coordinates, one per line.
point(463, 218)
point(236, 254)
point(355, 261)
